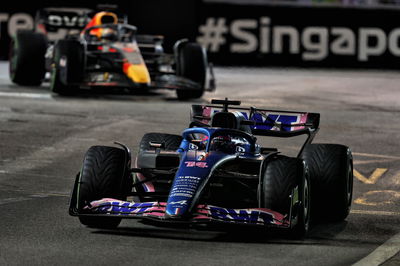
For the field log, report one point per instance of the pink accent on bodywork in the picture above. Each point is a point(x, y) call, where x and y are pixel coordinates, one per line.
point(155, 211)
point(158, 209)
point(302, 120)
point(279, 218)
point(204, 213)
point(98, 203)
point(148, 186)
point(207, 111)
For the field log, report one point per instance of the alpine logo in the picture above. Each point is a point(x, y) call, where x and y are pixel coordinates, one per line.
point(181, 202)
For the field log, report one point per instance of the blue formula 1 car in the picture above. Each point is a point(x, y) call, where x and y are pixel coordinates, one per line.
point(216, 172)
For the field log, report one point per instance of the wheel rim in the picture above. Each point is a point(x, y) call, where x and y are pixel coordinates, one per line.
point(53, 78)
point(306, 202)
point(13, 59)
point(349, 185)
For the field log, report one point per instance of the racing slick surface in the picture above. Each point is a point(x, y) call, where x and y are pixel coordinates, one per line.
point(44, 136)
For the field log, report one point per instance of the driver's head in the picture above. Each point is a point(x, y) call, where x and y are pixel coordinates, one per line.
point(221, 143)
point(109, 34)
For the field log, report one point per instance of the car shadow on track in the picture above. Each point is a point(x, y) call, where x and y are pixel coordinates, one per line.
point(245, 236)
point(124, 95)
point(323, 234)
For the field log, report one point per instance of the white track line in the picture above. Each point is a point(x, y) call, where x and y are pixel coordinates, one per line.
point(28, 95)
point(32, 197)
point(382, 253)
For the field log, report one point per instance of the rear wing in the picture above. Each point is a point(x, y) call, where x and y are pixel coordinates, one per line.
point(52, 19)
point(262, 122)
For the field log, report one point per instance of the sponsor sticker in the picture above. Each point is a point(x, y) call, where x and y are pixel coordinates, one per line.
point(196, 164)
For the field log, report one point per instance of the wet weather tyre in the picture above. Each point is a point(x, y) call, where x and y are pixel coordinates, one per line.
point(279, 177)
point(331, 173)
point(68, 67)
point(27, 58)
point(104, 174)
point(192, 64)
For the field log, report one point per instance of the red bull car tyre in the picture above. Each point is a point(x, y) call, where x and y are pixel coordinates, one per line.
point(192, 64)
point(27, 58)
point(67, 70)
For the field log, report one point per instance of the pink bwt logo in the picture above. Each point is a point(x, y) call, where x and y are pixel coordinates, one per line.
point(196, 164)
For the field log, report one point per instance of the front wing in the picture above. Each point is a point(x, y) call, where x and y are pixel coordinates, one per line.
point(164, 81)
point(202, 213)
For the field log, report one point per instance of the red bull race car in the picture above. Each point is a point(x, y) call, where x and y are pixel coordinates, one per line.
point(104, 51)
point(215, 172)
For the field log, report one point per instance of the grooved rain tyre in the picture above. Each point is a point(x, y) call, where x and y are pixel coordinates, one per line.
point(331, 172)
point(280, 177)
point(103, 175)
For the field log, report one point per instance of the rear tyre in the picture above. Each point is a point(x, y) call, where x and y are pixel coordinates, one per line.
point(27, 58)
point(68, 68)
point(192, 64)
point(331, 172)
point(103, 175)
point(280, 176)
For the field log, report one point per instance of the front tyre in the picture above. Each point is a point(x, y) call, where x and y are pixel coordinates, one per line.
point(104, 175)
point(304, 206)
point(68, 67)
point(280, 177)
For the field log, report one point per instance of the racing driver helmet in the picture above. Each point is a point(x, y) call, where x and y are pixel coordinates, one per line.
point(109, 34)
point(222, 143)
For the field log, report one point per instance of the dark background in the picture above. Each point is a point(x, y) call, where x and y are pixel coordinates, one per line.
point(176, 19)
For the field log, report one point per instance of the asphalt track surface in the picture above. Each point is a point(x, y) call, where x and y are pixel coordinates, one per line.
point(43, 138)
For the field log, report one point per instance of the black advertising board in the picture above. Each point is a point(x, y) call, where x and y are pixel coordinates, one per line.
point(301, 36)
